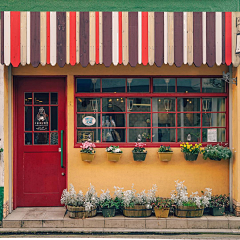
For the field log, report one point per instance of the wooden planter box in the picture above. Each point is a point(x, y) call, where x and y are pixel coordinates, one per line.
point(191, 156)
point(113, 157)
point(79, 212)
point(188, 212)
point(139, 156)
point(87, 157)
point(165, 156)
point(137, 211)
point(161, 213)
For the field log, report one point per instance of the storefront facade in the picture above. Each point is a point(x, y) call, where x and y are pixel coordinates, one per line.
point(157, 75)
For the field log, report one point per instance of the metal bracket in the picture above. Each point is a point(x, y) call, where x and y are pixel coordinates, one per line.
point(237, 21)
point(226, 78)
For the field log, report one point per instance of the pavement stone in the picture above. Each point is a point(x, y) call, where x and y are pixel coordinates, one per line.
point(135, 223)
point(52, 223)
point(31, 223)
point(156, 223)
point(177, 223)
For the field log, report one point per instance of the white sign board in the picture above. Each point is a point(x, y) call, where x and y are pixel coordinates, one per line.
point(212, 135)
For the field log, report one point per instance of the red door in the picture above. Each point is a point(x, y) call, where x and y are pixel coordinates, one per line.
point(40, 119)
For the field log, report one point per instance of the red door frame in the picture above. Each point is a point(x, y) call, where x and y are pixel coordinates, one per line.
point(15, 129)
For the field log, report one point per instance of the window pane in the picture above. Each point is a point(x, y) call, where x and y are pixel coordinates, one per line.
point(213, 85)
point(139, 104)
point(164, 120)
point(113, 84)
point(28, 118)
point(188, 120)
point(88, 104)
point(41, 138)
point(41, 116)
point(188, 104)
point(113, 120)
point(164, 134)
point(54, 118)
point(88, 120)
point(188, 85)
point(138, 84)
point(28, 98)
point(28, 138)
point(54, 98)
point(41, 98)
point(213, 119)
point(143, 132)
point(54, 138)
point(113, 104)
point(213, 104)
point(82, 135)
point(113, 135)
point(163, 104)
point(189, 135)
point(221, 134)
point(88, 85)
point(164, 85)
point(139, 120)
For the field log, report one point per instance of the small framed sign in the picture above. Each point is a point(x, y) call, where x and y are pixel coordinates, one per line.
point(89, 120)
point(212, 135)
point(238, 44)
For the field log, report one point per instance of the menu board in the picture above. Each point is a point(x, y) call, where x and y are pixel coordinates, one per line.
point(212, 135)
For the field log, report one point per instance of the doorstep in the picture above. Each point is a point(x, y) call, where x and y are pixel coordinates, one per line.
point(53, 218)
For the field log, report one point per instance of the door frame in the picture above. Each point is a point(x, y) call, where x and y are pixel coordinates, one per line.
point(14, 127)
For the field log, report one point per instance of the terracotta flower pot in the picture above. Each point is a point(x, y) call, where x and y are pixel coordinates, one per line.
point(165, 156)
point(113, 157)
point(87, 157)
point(161, 213)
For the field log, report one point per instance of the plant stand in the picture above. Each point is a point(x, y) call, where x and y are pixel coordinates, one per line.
point(161, 213)
point(108, 212)
point(137, 211)
point(87, 157)
point(139, 156)
point(79, 212)
point(215, 211)
point(113, 157)
point(191, 156)
point(188, 212)
point(165, 156)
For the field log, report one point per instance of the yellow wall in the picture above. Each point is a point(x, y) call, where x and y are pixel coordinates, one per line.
point(103, 174)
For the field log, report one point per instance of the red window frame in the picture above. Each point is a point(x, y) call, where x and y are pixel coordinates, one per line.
point(151, 95)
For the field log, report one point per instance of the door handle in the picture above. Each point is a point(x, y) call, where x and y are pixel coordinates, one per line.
point(61, 148)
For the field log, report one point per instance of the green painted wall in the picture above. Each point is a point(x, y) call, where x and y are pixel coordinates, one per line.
point(121, 5)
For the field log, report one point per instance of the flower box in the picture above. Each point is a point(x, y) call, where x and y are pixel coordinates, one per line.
point(188, 211)
point(87, 157)
point(113, 157)
point(217, 211)
point(80, 212)
point(161, 213)
point(190, 156)
point(139, 156)
point(165, 156)
point(108, 212)
point(137, 211)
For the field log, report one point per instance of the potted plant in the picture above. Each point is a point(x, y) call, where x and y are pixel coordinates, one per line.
point(190, 151)
point(78, 205)
point(216, 152)
point(162, 207)
point(87, 152)
point(114, 153)
point(218, 203)
point(139, 152)
point(165, 153)
point(189, 206)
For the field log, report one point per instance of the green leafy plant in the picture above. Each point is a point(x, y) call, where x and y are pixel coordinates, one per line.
point(113, 149)
point(139, 147)
point(106, 201)
point(1, 150)
point(162, 203)
point(216, 152)
point(190, 148)
point(165, 149)
point(219, 201)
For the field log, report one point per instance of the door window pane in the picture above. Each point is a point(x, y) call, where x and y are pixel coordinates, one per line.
point(163, 84)
point(41, 118)
point(188, 104)
point(88, 104)
point(113, 104)
point(41, 138)
point(28, 98)
point(221, 134)
point(113, 135)
point(138, 84)
point(189, 120)
point(88, 85)
point(213, 85)
point(188, 85)
point(54, 118)
point(28, 138)
point(139, 120)
point(164, 120)
point(145, 134)
point(213, 104)
point(139, 104)
point(88, 120)
point(113, 120)
point(54, 98)
point(164, 135)
point(54, 138)
point(189, 135)
point(41, 98)
point(113, 84)
point(82, 135)
point(163, 104)
point(213, 119)
point(28, 118)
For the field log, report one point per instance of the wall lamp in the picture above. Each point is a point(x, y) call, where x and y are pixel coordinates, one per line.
point(226, 78)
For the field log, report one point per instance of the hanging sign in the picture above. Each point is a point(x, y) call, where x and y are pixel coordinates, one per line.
point(212, 135)
point(89, 120)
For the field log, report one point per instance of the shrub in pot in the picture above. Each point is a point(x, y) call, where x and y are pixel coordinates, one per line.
point(218, 203)
point(87, 152)
point(189, 206)
point(190, 151)
point(216, 152)
point(114, 153)
point(165, 153)
point(162, 207)
point(139, 152)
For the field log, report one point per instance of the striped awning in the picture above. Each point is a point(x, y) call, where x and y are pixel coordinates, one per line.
point(119, 38)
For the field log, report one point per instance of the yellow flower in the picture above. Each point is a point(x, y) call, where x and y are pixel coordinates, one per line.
point(184, 145)
point(181, 145)
point(190, 150)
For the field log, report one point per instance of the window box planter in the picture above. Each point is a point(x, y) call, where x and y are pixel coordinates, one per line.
point(188, 212)
point(137, 211)
point(87, 157)
point(165, 156)
point(108, 212)
point(79, 212)
point(216, 211)
point(139, 156)
point(113, 157)
point(161, 213)
point(190, 156)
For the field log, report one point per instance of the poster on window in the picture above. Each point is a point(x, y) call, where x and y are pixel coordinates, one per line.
point(212, 135)
point(41, 116)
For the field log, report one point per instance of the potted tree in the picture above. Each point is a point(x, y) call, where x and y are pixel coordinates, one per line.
point(190, 151)
point(218, 203)
point(139, 152)
point(114, 153)
point(165, 153)
point(162, 207)
point(216, 152)
point(189, 206)
point(87, 152)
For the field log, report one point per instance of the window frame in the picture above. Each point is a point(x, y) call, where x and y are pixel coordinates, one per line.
point(151, 95)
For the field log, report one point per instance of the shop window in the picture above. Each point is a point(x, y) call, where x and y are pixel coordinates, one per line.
point(160, 110)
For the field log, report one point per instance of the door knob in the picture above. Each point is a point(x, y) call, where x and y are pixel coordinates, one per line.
point(63, 173)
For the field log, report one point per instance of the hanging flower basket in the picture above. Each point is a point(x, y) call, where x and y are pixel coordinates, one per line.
point(188, 212)
point(161, 213)
point(79, 212)
point(113, 157)
point(191, 156)
point(87, 157)
point(137, 211)
point(165, 156)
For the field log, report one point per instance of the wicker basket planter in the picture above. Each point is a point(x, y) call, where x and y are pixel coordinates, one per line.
point(139, 156)
point(79, 212)
point(87, 157)
point(113, 157)
point(165, 156)
point(191, 156)
point(188, 212)
point(215, 211)
point(161, 213)
point(137, 211)
point(108, 212)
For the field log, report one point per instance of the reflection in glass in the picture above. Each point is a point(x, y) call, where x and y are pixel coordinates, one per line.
point(113, 120)
point(28, 138)
point(113, 104)
point(88, 120)
point(54, 138)
point(88, 85)
point(188, 104)
point(139, 104)
point(188, 85)
point(188, 120)
point(88, 104)
point(41, 118)
point(144, 132)
point(54, 98)
point(221, 134)
point(213, 119)
point(28, 118)
point(213, 104)
point(28, 98)
point(41, 138)
point(113, 84)
point(189, 135)
point(213, 85)
point(164, 135)
point(138, 84)
point(163, 104)
point(41, 98)
point(163, 84)
point(139, 120)
point(164, 120)
point(54, 118)
point(113, 135)
point(82, 135)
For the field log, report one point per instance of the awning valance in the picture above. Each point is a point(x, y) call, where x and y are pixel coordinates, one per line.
point(119, 38)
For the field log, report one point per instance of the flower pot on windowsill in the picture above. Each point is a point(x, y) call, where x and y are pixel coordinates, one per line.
point(188, 212)
point(161, 213)
point(165, 156)
point(113, 157)
point(217, 211)
point(87, 157)
point(108, 212)
point(191, 156)
point(139, 156)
